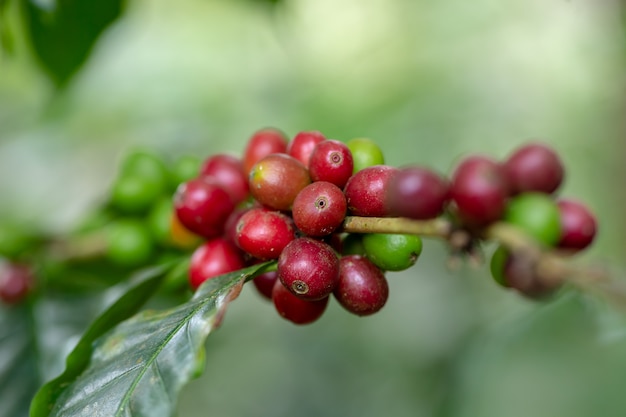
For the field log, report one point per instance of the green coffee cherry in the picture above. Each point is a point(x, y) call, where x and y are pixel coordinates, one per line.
point(498, 263)
point(536, 214)
point(145, 164)
point(185, 168)
point(392, 252)
point(365, 153)
point(159, 221)
point(135, 194)
point(129, 242)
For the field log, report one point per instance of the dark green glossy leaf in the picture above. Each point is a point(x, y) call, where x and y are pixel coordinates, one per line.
point(142, 287)
point(63, 33)
point(139, 368)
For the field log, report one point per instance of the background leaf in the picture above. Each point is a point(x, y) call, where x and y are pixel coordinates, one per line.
point(139, 368)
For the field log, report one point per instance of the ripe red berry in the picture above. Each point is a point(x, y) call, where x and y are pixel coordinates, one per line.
point(480, 190)
point(295, 309)
point(16, 282)
point(417, 193)
point(365, 191)
point(362, 287)
point(301, 146)
point(308, 268)
point(203, 206)
point(227, 170)
point(534, 167)
point(276, 180)
point(578, 225)
point(264, 233)
point(264, 283)
point(215, 257)
point(331, 161)
point(262, 143)
point(319, 208)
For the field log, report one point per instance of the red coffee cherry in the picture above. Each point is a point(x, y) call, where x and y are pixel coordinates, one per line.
point(276, 180)
point(295, 309)
point(230, 228)
point(362, 287)
point(16, 282)
point(215, 257)
point(264, 233)
point(417, 193)
point(264, 283)
point(302, 145)
point(480, 190)
point(262, 143)
point(319, 209)
point(308, 268)
point(578, 225)
point(227, 170)
point(365, 191)
point(331, 161)
point(203, 206)
point(534, 167)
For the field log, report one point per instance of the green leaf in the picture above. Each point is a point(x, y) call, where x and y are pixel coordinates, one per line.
point(139, 368)
point(63, 32)
point(143, 286)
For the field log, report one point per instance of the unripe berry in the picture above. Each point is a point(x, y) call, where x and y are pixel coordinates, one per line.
point(302, 145)
point(365, 153)
point(365, 191)
point(319, 209)
point(295, 309)
point(215, 257)
point(262, 143)
point(392, 252)
point(276, 180)
point(534, 167)
point(362, 287)
point(308, 268)
point(129, 242)
point(417, 193)
point(264, 233)
point(537, 215)
point(331, 161)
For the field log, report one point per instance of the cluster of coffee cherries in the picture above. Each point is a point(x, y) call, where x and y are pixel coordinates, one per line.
point(286, 200)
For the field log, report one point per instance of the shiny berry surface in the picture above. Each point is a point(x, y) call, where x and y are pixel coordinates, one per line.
point(319, 209)
point(417, 193)
point(276, 180)
point(365, 153)
point(302, 145)
point(537, 215)
point(213, 258)
point(264, 233)
point(366, 191)
point(296, 309)
point(308, 268)
point(227, 170)
point(331, 161)
point(262, 143)
point(578, 225)
point(362, 287)
point(392, 252)
point(534, 167)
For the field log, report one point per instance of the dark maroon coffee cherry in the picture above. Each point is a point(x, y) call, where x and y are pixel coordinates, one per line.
point(203, 206)
point(578, 225)
point(262, 143)
point(365, 191)
point(295, 309)
point(319, 209)
point(263, 233)
point(362, 287)
point(276, 180)
point(308, 268)
point(227, 170)
point(264, 283)
point(331, 161)
point(480, 190)
point(534, 167)
point(215, 257)
point(16, 282)
point(302, 145)
point(417, 193)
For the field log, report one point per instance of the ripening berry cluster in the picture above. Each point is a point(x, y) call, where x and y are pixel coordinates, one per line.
point(286, 200)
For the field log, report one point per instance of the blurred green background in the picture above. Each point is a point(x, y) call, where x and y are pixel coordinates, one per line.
point(430, 81)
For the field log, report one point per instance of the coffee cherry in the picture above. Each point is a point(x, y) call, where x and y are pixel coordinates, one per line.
point(16, 282)
point(264, 283)
point(185, 168)
point(215, 257)
point(295, 309)
point(362, 287)
point(308, 268)
point(534, 167)
point(319, 209)
point(352, 244)
point(264, 233)
point(227, 171)
point(129, 242)
point(498, 262)
point(365, 153)
point(417, 193)
point(392, 252)
point(301, 146)
point(537, 215)
point(180, 236)
point(230, 228)
point(203, 206)
point(276, 180)
point(262, 143)
point(146, 165)
point(578, 225)
point(365, 191)
point(480, 190)
point(135, 194)
point(331, 161)
point(159, 221)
